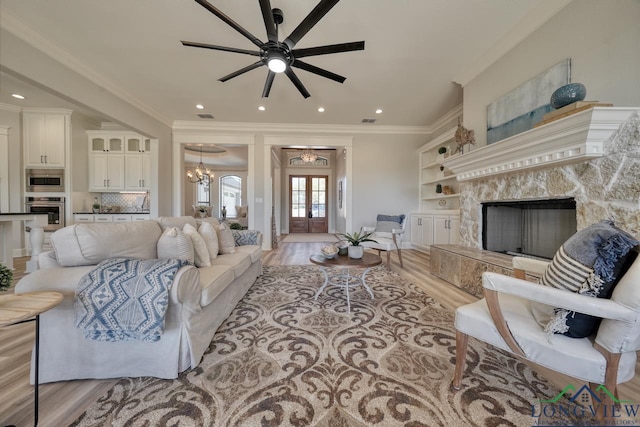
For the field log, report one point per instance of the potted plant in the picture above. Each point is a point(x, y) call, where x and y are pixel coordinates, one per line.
point(355, 250)
point(6, 276)
point(96, 208)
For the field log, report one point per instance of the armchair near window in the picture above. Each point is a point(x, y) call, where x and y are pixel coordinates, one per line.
point(388, 234)
point(505, 319)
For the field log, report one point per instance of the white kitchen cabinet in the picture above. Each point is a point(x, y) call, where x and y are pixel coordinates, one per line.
point(137, 172)
point(422, 230)
point(119, 161)
point(106, 172)
point(83, 218)
point(46, 136)
point(446, 229)
point(109, 218)
point(429, 229)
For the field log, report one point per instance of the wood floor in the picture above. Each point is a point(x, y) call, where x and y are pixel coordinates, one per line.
point(62, 402)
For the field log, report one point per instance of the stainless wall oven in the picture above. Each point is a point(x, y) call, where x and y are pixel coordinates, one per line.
point(45, 180)
point(52, 206)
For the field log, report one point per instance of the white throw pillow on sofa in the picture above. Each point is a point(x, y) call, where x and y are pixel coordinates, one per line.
point(175, 244)
point(225, 239)
point(210, 237)
point(199, 246)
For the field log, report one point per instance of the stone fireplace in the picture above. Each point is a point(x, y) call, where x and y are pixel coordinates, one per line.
point(592, 157)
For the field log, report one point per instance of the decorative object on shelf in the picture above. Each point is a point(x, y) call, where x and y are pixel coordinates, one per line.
point(442, 150)
point(202, 173)
point(568, 94)
point(519, 110)
point(355, 250)
point(441, 173)
point(96, 206)
point(309, 156)
point(438, 188)
point(464, 138)
point(447, 190)
point(6, 276)
point(442, 203)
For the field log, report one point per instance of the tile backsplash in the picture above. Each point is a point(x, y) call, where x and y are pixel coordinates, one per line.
point(126, 202)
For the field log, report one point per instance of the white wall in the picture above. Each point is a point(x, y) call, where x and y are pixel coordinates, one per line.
point(385, 177)
point(602, 39)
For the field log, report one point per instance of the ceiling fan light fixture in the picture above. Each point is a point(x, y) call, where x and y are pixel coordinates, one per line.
point(276, 62)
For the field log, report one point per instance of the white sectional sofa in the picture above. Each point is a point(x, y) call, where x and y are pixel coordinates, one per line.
point(200, 299)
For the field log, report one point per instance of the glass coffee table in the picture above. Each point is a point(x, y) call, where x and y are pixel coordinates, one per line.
point(344, 278)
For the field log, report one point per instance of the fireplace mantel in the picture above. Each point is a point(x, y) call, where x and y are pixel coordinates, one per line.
point(573, 139)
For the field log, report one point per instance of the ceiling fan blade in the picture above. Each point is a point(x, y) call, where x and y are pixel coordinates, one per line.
point(325, 50)
point(268, 83)
point(307, 23)
point(296, 82)
point(233, 24)
point(241, 71)
point(319, 71)
point(223, 48)
point(269, 23)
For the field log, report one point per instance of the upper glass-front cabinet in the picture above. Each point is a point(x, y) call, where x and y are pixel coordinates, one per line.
point(138, 144)
point(104, 143)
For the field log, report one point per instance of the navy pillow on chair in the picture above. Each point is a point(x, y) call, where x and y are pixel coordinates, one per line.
point(591, 262)
point(386, 223)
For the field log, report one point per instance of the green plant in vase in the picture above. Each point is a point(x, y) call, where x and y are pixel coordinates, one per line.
point(6, 276)
point(355, 239)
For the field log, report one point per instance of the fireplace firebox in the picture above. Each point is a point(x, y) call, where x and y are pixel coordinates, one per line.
point(535, 228)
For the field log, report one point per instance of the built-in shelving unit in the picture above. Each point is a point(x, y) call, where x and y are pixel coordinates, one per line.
point(432, 174)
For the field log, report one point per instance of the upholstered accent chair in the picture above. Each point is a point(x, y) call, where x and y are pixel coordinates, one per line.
point(506, 319)
point(387, 234)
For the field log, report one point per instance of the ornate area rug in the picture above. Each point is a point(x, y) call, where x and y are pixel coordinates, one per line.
point(283, 359)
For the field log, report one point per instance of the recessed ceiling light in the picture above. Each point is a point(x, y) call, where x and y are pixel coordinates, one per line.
point(200, 106)
point(378, 111)
point(321, 109)
point(17, 95)
point(261, 108)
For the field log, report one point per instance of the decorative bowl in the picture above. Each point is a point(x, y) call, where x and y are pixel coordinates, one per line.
point(568, 94)
point(329, 251)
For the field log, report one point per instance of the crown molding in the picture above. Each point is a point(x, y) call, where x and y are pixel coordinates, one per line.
point(38, 41)
point(10, 107)
point(445, 119)
point(538, 16)
point(186, 126)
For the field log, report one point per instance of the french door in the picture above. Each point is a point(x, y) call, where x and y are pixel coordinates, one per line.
point(308, 204)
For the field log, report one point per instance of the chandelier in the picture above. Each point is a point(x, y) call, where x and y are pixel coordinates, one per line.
point(308, 156)
point(200, 172)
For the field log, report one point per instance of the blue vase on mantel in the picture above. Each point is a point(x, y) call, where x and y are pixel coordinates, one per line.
point(568, 94)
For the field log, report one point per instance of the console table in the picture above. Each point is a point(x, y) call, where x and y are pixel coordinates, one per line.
point(16, 309)
point(36, 222)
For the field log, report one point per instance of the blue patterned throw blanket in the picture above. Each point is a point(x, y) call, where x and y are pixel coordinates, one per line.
point(124, 299)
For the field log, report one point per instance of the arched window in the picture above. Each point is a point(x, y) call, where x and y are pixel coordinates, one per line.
point(231, 194)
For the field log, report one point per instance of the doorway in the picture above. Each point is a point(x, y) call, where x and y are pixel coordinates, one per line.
point(308, 204)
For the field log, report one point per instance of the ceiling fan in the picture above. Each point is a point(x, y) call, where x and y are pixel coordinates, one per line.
point(281, 56)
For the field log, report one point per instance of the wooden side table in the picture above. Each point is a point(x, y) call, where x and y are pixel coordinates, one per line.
point(21, 308)
point(344, 279)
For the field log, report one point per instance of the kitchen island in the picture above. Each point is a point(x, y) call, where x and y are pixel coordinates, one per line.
point(8, 221)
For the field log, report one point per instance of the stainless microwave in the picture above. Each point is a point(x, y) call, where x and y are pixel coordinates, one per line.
point(44, 180)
